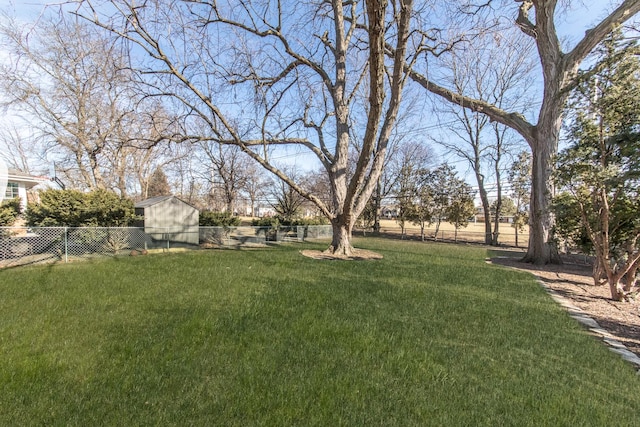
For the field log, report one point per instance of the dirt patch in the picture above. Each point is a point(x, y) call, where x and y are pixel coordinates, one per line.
point(357, 255)
point(573, 281)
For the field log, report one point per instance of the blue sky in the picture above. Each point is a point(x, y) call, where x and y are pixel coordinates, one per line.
point(24, 9)
point(571, 26)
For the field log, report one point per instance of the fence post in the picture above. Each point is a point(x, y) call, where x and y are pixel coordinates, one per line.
point(66, 245)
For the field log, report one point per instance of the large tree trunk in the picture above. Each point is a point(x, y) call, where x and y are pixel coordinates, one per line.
point(598, 273)
point(542, 249)
point(341, 240)
point(617, 291)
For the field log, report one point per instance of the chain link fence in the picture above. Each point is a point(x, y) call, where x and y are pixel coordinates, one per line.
point(32, 245)
point(507, 235)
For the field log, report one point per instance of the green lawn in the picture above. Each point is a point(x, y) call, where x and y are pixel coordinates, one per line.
point(430, 335)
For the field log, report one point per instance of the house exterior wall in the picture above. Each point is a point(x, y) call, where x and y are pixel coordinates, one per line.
point(17, 187)
point(22, 193)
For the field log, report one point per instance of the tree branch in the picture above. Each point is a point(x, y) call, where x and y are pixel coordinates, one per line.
point(513, 120)
point(592, 37)
point(523, 21)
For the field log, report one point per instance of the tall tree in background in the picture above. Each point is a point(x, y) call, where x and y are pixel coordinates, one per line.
point(78, 101)
point(461, 206)
point(225, 170)
point(537, 19)
point(423, 204)
point(184, 168)
point(317, 182)
point(287, 202)
point(254, 186)
point(304, 66)
point(405, 193)
point(139, 150)
point(138, 165)
point(497, 74)
point(19, 149)
point(158, 184)
point(601, 168)
point(79, 104)
point(441, 181)
point(406, 167)
point(405, 173)
point(519, 177)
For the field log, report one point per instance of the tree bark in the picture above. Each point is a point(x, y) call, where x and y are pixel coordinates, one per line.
point(377, 207)
point(497, 171)
point(484, 198)
point(341, 240)
point(542, 249)
point(629, 279)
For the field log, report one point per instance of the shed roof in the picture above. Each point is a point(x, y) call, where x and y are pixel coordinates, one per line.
point(158, 199)
point(152, 201)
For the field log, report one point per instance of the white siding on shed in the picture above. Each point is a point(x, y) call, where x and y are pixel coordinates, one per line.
point(169, 218)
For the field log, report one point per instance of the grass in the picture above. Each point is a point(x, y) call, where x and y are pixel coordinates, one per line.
point(430, 335)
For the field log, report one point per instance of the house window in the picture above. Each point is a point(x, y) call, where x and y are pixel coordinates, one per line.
point(12, 191)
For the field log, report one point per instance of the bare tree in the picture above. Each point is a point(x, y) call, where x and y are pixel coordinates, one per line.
point(226, 168)
point(316, 182)
point(286, 201)
point(80, 104)
point(299, 70)
point(67, 91)
point(254, 186)
point(403, 150)
point(497, 74)
point(22, 151)
point(537, 19)
point(136, 165)
point(405, 194)
point(137, 150)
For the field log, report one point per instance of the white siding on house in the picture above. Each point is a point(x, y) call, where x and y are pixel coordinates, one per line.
point(18, 183)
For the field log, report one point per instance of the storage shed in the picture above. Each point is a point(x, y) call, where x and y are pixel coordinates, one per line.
point(169, 218)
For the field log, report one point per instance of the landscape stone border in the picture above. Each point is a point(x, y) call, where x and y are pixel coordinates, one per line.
point(593, 327)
